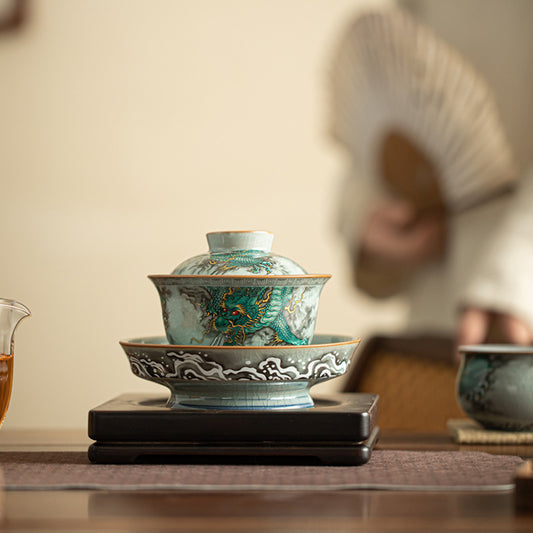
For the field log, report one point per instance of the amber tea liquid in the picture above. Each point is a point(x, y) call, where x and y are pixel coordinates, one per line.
point(6, 382)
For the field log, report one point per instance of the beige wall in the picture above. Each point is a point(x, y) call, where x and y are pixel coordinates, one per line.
point(128, 130)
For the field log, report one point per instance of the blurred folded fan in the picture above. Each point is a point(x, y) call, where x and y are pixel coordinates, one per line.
point(410, 109)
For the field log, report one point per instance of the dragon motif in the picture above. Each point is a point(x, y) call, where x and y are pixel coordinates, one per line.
point(226, 262)
point(253, 262)
point(232, 313)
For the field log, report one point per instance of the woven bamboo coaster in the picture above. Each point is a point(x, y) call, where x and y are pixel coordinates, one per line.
point(465, 431)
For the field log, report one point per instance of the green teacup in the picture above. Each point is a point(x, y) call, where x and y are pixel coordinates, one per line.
point(239, 294)
point(495, 385)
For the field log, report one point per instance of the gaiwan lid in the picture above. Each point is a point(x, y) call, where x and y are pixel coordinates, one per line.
point(239, 253)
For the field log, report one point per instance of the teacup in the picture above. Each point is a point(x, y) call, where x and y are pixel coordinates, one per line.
point(239, 294)
point(495, 385)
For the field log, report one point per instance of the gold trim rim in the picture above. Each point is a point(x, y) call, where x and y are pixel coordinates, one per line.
point(128, 344)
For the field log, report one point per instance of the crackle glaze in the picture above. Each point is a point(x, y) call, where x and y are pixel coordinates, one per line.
point(252, 377)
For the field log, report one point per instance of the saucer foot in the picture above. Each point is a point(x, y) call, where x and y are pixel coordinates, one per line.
point(241, 396)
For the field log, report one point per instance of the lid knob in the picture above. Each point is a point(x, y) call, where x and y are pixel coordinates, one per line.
point(231, 241)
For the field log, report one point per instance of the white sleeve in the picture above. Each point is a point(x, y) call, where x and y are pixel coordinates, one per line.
point(504, 279)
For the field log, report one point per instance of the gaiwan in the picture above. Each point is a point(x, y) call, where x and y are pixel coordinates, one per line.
point(239, 294)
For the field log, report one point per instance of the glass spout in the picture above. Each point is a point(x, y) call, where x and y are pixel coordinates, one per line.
point(11, 313)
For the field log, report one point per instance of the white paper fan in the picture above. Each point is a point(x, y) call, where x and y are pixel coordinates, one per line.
point(391, 74)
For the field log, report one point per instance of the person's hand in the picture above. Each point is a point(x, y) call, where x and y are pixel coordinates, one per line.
point(477, 326)
point(396, 235)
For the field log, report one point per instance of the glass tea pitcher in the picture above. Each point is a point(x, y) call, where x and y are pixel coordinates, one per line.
point(11, 313)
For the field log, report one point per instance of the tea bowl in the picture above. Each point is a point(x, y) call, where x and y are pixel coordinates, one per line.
point(239, 310)
point(495, 385)
point(240, 377)
point(239, 294)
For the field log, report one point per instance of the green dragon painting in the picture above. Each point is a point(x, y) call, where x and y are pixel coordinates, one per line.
point(235, 312)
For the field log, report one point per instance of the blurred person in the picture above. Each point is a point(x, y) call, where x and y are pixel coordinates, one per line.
point(466, 275)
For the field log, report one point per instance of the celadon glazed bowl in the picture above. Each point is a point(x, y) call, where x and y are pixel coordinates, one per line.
point(239, 294)
point(495, 385)
point(243, 377)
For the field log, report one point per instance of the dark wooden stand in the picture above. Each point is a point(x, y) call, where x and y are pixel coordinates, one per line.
point(338, 430)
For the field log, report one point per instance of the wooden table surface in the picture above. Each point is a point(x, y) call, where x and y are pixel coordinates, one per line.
point(263, 511)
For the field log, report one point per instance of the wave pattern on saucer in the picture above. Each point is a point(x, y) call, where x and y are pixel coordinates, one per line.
point(194, 366)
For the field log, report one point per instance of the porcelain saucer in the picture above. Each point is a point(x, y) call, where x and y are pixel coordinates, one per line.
point(240, 377)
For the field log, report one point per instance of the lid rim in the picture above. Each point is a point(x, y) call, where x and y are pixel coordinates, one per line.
point(238, 276)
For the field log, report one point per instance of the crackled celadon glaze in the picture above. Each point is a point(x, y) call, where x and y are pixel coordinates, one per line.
point(236, 296)
point(252, 377)
point(495, 386)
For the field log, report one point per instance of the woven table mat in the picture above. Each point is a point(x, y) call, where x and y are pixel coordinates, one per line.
point(465, 431)
point(387, 469)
